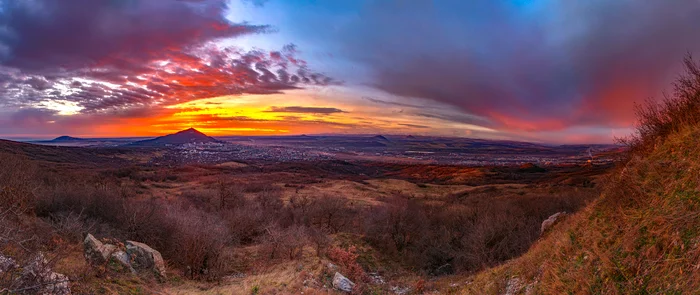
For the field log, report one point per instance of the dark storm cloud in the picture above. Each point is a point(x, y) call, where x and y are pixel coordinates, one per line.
point(307, 110)
point(48, 34)
point(118, 54)
point(532, 65)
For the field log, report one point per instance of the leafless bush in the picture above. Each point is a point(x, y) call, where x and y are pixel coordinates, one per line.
point(230, 196)
point(330, 213)
point(288, 242)
point(320, 240)
point(247, 223)
point(73, 226)
point(460, 236)
point(298, 210)
point(270, 200)
point(27, 272)
point(17, 199)
point(197, 242)
point(656, 120)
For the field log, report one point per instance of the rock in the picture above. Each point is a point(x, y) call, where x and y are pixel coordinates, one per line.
point(376, 278)
point(145, 257)
point(122, 260)
point(342, 283)
point(38, 273)
point(96, 253)
point(332, 267)
point(547, 224)
point(400, 290)
point(7, 264)
point(513, 286)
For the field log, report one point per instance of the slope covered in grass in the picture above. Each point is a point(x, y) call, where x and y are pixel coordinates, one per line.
point(640, 237)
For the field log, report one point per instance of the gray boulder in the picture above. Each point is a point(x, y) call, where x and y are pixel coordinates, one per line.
point(145, 257)
point(342, 283)
point(122, 260)
point(96, 253)
point(38, 275)
point(547, 224)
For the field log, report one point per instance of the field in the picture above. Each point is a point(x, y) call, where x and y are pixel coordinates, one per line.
point(254, 225)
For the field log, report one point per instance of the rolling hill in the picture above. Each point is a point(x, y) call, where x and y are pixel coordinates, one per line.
point(641, 236)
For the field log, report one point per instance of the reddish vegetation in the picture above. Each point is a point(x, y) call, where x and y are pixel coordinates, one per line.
point(201, 218)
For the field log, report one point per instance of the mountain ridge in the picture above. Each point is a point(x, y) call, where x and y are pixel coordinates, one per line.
point(189, 135)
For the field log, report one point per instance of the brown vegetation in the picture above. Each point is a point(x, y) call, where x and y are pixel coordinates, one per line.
point(203, 218)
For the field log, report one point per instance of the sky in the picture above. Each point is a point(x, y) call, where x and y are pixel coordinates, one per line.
point(532, 70)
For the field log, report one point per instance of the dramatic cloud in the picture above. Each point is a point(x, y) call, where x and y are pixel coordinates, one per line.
point(101, 56)
point(307, 110)
point(526, 65)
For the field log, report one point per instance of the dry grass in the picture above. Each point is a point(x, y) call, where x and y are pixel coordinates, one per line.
point(641, 237)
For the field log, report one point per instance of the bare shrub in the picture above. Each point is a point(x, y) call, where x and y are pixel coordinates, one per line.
point(288, 242)
point(73, 226)
point(270, 200)
point(468, 234)
point(230, 196)
point(320, 240)
point(27, 272)
point(197, 242)
point(657, 120)
point(299, 208)
point(296, 238)
point(330, 213)
point(247, 223)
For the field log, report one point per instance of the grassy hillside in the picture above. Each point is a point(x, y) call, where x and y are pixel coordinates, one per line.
point(642, 235)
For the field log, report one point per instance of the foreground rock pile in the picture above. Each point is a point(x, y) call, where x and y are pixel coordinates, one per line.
point(36, 277)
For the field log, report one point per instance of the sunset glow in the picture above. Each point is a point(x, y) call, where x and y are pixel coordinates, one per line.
point(537, 71)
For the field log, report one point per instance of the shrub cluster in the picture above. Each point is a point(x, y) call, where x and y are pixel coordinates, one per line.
point(463, 232)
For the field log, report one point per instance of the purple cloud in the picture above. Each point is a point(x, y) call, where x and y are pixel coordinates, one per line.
point(307, 110)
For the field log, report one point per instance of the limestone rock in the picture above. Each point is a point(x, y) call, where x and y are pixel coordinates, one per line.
point(342, 283)
point(38, 273)
point(122, 260)
point(97, 253)
point(145, 257)
point(547, 224)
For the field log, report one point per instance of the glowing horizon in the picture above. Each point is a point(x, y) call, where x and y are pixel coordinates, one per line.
point(542, 71)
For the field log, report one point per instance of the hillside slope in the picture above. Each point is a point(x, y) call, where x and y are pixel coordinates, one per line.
point(640, 237)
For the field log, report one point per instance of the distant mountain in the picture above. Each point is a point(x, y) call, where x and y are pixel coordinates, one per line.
point(381, 137)
point(410, 137)
point(185, 136)
point(66, 138)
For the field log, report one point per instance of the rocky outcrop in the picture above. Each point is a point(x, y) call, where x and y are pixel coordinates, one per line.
point(547, 224)
point(38, 277)
point(96, 253)
point(145, 257)
point(132, 257)
point(342, 283)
